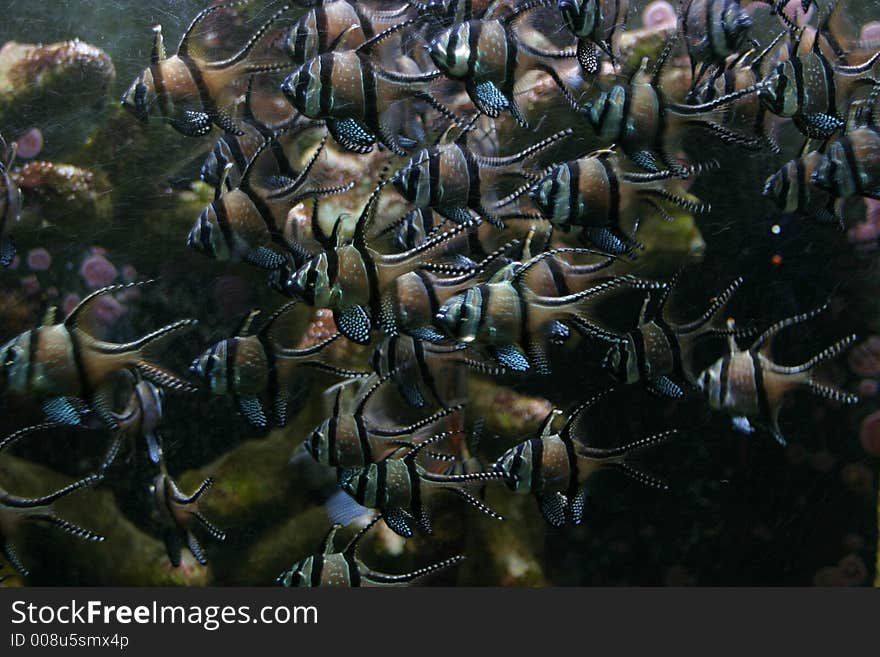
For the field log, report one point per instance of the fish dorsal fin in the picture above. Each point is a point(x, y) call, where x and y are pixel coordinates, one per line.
point(547, 424)
point(575, 415)
point(157, 54)
point(367, 45)
point(414, 452)
point(365, 395)
point(763, 340)
point(365, 220)
point(339, 39)
point(72, 319)
point(351, 548)
point(248, 47)
point(266, 328)
point(247, 109)
point(183, 46)
point(244, 329)
point(327, 543)
point(466, 129)
point(643, 311)
point(662, 60)
point(245, 182)
point(224, 176)
point(756, 63)
point(50, 317)
point(526, 266)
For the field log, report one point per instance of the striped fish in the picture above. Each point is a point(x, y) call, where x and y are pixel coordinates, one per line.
point(57, 362)
point(420, 369)
point(453, 180)
point(514, 323)
point(10, 202)
point(16, 511)
point(793, 191)
point(659, 353)
point(748, 385)
point(349, 438)
point(638, 118)
point(807, 88)
point(556, 467)
point(351, 278)
point(245, 223)
point(338, 25)
point(260, 374)
point(595, 24)
point(330, 568)
point(179, 513)
point(851, 166)
point(594, 193)
point(190, 93)
point(490, 56)
point(713, 31)
point(401, 489)
point(351, 93)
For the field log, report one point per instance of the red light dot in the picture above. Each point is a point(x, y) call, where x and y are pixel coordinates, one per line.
point(776, 260)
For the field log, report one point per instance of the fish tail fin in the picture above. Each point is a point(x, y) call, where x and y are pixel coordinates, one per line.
point(148, 348)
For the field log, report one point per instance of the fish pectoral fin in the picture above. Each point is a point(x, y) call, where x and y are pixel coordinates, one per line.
point(578, 506)
point(7, 251)
point(226, 123)
point(427, 334)
point(252, 409)
point(554, 508)
point(399, 521)
point(65, 410)
point(588, 56)
point(665, 387)
point(510, 357)
point(488, 98)
point(537, 356)
point(192, 123)
point(411, 394)
point(354, 323)
point(265, 258)
point(742, 424)
point(351, 135)
point(819, 125)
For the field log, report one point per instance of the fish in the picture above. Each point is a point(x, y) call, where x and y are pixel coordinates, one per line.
point(178, 513)
point(259, 373)
point(350, 278)
point(556, 467)
point(329, 568)
point(419, 368)
point(793, 191)
point(136, 424)
point(401, 489)
point(10, 202)
point(411, 301)
point(851, 165)
point(192, 94)
point(351, 93)
point(597, 195)
point(595, 23)
point(59, 362)
point(239, 148)
point(807, 89)
point(514, 324)
point(335, 24)
point(490, 57)
point(453, 180)
point(16, 510)
point(349, 438)
point(245, 223)
point(659, 353)
point(639, 118)
point(749, 385)
point(713, 31)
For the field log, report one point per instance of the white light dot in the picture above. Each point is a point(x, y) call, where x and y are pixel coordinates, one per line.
point(776, 229)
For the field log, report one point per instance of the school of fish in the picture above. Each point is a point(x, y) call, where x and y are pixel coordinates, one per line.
point(515, 253)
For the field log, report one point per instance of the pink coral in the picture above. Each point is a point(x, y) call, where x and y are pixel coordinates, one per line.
point(70, 302)
point(659, 14)
point(30, 285)
point(97, 271)
point(29, 144)
point(39, 259)
point(107, 310)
